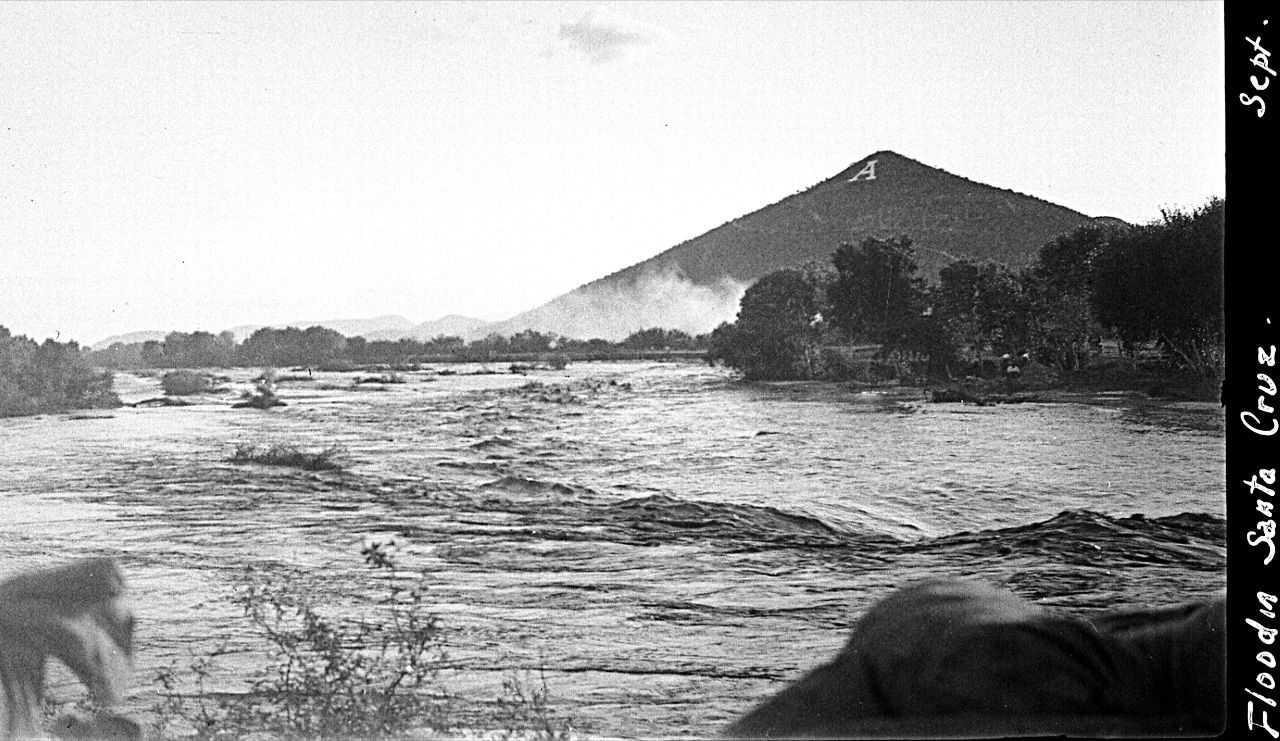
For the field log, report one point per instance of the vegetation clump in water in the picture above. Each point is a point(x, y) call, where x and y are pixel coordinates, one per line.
point(325, 459)
point(263, 395)
point(383, 378)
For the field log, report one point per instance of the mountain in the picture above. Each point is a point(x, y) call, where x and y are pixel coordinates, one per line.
point(698, 283)
point(128, 339)
point(362, 327)
point(453, 325)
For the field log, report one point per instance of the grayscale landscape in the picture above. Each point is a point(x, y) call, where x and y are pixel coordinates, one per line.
point(654, 344)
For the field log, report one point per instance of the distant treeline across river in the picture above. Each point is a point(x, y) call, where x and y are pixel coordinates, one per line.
point(324, 348)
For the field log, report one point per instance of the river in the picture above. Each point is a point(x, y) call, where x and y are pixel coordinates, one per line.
point(670, 545)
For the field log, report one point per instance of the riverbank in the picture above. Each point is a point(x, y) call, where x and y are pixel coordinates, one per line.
point(1041, 384)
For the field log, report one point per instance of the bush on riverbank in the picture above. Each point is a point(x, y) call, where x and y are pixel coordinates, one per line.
point(1038, 382)
point(49, 377)
point(375, 675)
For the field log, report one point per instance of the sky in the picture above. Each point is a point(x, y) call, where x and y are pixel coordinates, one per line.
point(184, 166)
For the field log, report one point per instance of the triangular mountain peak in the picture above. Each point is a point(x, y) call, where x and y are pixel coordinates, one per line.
point(865, 169)
point(887, 166)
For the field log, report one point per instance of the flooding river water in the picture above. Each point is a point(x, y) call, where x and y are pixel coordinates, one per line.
point(670, 545)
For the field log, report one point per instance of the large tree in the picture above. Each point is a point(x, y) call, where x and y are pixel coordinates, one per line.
point(1058, 287)
point(876, 295)
point(198, 349)
point(776, 331)
point(983, 307)
point(1162, 282)
point(321, 345)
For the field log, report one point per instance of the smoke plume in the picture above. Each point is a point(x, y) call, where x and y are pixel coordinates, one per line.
point(612, 309)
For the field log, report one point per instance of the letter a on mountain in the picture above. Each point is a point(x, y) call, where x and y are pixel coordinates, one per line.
point(866, 173)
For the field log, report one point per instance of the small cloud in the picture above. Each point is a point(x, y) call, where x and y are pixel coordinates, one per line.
point(603, 36)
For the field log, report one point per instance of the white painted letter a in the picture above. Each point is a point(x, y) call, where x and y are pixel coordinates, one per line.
point(869, 171)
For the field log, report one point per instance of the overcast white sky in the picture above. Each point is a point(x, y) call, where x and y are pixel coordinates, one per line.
point(201, 165)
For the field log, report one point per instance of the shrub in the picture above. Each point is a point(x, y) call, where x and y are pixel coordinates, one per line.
point(325, 459)
point(372, 676)
point(331, 677)
point(263, 395)
point(384, 378)
point(186, 383)
point(199, 719)
point(525, 709)
point(347, 678)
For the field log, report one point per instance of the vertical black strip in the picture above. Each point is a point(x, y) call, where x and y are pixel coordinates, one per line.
point(1252, 51)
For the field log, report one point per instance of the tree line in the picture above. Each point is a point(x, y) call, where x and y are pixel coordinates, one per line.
point(1156, 285)
point(38, 378)
point(321, 347)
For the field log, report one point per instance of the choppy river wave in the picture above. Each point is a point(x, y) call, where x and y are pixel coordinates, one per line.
point(670, 545)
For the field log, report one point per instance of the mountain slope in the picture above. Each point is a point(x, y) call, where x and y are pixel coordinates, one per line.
point(452, 325)
point(696, 284)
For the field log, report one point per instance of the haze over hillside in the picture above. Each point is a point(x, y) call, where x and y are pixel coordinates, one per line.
point(697, 284)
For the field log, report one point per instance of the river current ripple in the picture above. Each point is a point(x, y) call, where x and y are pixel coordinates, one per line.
point(668, 544)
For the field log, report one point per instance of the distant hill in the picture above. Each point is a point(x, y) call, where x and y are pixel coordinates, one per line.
point(128, 339)
point(697, 284)
point(452, 325)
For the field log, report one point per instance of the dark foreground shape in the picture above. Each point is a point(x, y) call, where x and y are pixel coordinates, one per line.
point(955, 659)
point(76, 613)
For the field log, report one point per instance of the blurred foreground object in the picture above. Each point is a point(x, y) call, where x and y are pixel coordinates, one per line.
point(951, 658)
point(78, 614)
